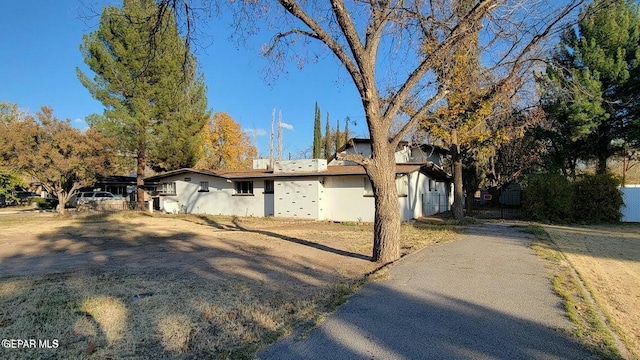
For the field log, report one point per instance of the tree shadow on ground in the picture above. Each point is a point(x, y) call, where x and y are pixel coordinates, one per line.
point(93, 256)
point(383, 322)
point(299, 241)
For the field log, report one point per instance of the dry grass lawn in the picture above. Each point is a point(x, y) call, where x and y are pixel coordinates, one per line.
point(140, 286)
point(607, 259)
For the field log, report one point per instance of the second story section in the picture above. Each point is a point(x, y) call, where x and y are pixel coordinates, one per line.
point(406, 153)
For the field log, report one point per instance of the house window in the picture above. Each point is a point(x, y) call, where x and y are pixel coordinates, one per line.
point(368, 190)
point(402, 185)
point(268, 186)
point(168, 188)
point(204, 186)
point(187, 179)
point(244, 187)
point(432, 185)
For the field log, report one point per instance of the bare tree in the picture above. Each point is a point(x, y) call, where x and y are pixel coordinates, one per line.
point(391, 50)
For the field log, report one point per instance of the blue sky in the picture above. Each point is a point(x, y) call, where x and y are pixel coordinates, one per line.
point(39, 52)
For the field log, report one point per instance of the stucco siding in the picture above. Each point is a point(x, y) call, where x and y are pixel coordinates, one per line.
point(322, 197)
point(297, 198)
point(436, 197)
point(220, 199)
point(411, 206)
point(346, 201)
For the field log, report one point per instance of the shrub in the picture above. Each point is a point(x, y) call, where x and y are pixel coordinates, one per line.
point(44, 204)
point(548, 197)
point(597, 199)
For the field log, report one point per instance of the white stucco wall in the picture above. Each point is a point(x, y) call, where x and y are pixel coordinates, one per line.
point(299, 166)
point(297, 198)
point(345, 200)
point(411, 206)
point(219, 200)
point(338, 198)
point(436, 197)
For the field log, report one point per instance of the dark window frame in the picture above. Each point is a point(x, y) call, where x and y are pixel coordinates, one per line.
point(269, 186)
point(243, 188)
point(204, 186)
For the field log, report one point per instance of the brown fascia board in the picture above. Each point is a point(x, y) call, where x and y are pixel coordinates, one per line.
point(440, 149)
point(342, 170)
point(436, 171)
point(179, 172)
point(336, 170)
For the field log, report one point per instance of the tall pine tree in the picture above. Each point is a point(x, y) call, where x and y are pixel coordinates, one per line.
point(590, 91)
point(154, 100)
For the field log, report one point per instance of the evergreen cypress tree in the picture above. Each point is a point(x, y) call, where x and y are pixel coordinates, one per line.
point(346, 129)
point(327, 139)
point(338, 140)
point(317, 135)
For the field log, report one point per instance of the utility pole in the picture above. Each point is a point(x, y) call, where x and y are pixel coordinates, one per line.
point(273, 120)
point(279, 152)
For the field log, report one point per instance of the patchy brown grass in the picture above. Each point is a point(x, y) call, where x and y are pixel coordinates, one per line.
point(140, 286)
point(606, 260)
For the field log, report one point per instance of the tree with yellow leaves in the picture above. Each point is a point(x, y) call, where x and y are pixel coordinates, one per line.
point(224, 145)
point(471, 121)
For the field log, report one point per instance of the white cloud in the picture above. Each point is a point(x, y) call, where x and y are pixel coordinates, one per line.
point(255, 132)
point(79, 123)
point(284, 125)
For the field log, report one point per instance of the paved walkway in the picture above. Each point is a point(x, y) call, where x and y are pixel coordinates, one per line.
point(485, 296)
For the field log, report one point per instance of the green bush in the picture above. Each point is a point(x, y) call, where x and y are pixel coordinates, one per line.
point(548, 197)
point(592, 199)
point(597, 199)
point(44, 204)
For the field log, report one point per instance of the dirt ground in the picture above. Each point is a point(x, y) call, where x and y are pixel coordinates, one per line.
point(255, 249)
point(140, 286)
point(607, 258)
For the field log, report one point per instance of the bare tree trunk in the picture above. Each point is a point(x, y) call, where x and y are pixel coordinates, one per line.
point(601, 167)
point(457, 208)
point(386, 234)
point(140, 167)
point(469, 201)
point(62, 200)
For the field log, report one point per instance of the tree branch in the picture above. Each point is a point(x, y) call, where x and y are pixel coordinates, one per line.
point(356, 158)
point(418, 116)
point(281, 35)
point(463, 28)
point(294, 9)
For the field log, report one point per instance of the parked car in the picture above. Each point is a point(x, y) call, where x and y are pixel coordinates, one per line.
point(86, 197)
point(18, 198)
point(24, 197)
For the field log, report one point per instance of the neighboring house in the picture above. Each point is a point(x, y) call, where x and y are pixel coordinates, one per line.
point(305, 189)
point(117, 185)
point(405, 153)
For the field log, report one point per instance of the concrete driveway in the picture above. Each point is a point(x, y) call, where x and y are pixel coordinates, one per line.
point(486, 296)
